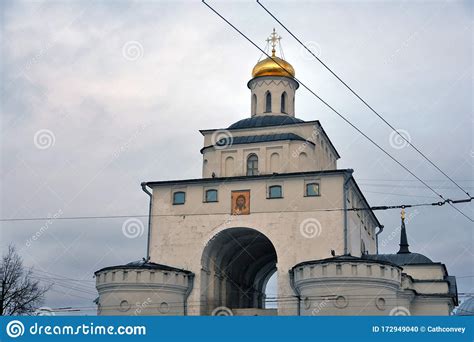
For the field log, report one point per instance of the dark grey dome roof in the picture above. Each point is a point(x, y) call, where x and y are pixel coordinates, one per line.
point(141, 264)
point(251, 139)
point(466, 308)
point(400, 259)
point(265, 120)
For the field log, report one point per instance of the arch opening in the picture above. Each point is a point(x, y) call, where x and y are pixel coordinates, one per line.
point(284, 100)
point(237, 264)
point(271, 291)
point(254, 105)
point(268, 102)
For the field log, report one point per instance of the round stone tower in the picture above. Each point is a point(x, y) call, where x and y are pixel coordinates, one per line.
point(143, 288)
point(348, 285)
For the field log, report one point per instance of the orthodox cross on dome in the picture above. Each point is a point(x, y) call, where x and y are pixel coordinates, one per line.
point(273, 39)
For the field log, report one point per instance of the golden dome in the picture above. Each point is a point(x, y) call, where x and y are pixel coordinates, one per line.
point(273, 66)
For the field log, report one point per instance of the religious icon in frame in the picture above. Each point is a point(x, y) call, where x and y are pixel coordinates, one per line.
point(240, 202)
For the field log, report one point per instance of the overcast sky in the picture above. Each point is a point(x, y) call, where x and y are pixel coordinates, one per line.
point(100, 96)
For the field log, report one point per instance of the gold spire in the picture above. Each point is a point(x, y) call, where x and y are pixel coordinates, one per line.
point(403, 236)
point(273, 66)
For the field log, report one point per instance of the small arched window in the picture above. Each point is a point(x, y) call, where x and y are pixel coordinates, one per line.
point(179, 197)
point(284, 100)
point(211, 195)
point(274, 191)
point(254, 104)
point(252, 165)
point(268, 102)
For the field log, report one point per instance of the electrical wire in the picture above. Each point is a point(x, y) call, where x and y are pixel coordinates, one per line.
point(335, 111)
point(363, 101)
point(374, 208)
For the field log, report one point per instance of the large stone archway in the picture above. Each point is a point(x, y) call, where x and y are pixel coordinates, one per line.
point(236, 265)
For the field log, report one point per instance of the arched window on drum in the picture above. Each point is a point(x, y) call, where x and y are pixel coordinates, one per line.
point(254, 104)
point(284, 101)
point(268, 102)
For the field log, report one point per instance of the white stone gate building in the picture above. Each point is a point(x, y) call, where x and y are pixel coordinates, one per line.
point(271, 199)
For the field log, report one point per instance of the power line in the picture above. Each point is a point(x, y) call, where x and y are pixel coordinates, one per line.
point(411, 180)
point(363, 101)
point(402, 186)
point(67, 286)
point(62, 277)
point(397, 194)
point(380, 207)
point(72, 218)
point(334, 110)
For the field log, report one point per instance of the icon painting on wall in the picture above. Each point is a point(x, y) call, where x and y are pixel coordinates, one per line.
point(240, 202)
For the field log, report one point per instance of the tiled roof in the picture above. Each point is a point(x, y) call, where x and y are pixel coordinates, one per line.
point(250, 139)
point(264, 121)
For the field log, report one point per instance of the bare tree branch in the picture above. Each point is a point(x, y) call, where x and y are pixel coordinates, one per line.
point(20, 294)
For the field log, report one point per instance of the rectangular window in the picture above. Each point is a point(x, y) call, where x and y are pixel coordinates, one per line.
point(275, 191)
point(312, 189)
point(179, 197)
point(211, 195)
